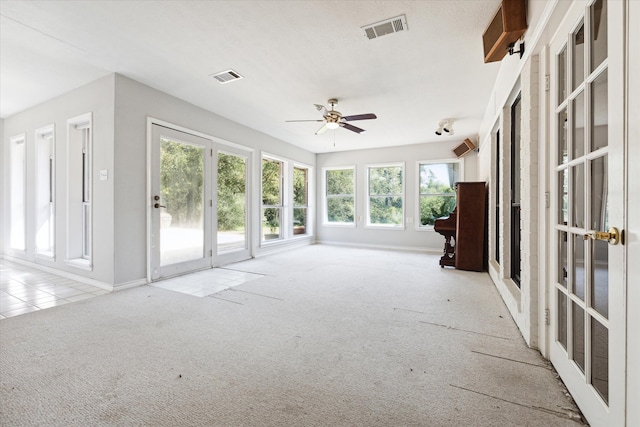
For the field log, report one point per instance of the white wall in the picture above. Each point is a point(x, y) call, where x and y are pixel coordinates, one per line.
point(97, 98)
point(134, 102)
point(409, 237)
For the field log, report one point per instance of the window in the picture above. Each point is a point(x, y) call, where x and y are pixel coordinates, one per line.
point(515, 191)
point(18, 153)
point(437, 190)
point(86, 194)
point(385, 201)
point(340, 196)
point(272, 200)
point(45, 191)
point(79, 193)
point(496, 235)
point(300, 200)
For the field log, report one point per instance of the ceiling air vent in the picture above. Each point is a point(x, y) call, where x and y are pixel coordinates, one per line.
point(226, 76)
point(388, 26)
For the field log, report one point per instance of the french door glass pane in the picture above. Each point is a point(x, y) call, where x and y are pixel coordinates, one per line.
point(600, 359)
point(578, 335)
point(562, 319)
point(578, 265)
point(563, 196)
point(599, 116)
point(578, 56)
point(562, 75)
point(563, 155)
point(578, 126)
point(600, 277)
point(182, 192)
point(562, 259)
point(577, 173)
point(232, 203)
point(598, 33)
point(600, 249)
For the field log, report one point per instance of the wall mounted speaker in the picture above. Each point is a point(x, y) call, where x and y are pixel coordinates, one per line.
point(463, 149)
point(507, 26)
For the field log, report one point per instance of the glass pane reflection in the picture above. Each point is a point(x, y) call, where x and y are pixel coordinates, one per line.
point(598, 33)
point(562, 75)
point(578, 335)
point(578, 126)
point(577, 173)
point(599, 112)
point(562, 258)
point(578, 265)
point(562, 319)
point(600, 358)
point(578, 56)
point(562, 137)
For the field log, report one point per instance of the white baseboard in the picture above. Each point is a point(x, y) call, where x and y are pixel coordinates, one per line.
point(434, 251)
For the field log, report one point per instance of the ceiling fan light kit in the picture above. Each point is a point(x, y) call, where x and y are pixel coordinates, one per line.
point(334, 119)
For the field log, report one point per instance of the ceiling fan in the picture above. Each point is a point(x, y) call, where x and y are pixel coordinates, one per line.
point(334, 119)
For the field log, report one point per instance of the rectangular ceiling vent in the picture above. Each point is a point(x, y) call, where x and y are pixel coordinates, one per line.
point(226, 76)
point(388, 26)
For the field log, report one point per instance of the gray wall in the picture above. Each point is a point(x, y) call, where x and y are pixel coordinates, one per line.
point(410, 237)
point(134, 103)
point(97, 98)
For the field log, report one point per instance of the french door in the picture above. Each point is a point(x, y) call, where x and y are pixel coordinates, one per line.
point(199, 203)
point(180, 202)
point(587, 176)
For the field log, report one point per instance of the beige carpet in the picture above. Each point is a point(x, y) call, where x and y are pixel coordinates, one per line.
point(329, 337)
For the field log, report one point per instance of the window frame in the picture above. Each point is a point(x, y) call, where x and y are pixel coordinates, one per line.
point(419, 195)
point(326, 197)
point(18, 176)
point(306, 205)
point(281, 206)
point(46, 188)
point(402, 195)
point(79, 192)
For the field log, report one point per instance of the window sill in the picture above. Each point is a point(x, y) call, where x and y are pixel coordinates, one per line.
point(81, 263)
point(386, 227)
point(339, 224)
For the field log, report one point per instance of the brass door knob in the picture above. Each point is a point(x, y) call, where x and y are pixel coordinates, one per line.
point(612, 236)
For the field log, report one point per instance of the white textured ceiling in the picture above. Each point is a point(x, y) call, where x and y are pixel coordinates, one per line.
point(292, 54)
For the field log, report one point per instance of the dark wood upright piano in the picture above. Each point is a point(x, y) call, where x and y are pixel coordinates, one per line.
point(465, 229)
point(447, 227)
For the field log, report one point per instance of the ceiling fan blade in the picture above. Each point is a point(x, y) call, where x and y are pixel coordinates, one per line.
point(352, 128)
point(319, 120)
point(322, 129)
point(360, 117)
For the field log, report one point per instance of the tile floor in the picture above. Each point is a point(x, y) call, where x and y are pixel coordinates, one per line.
point(24, 289)
point(206, 282)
